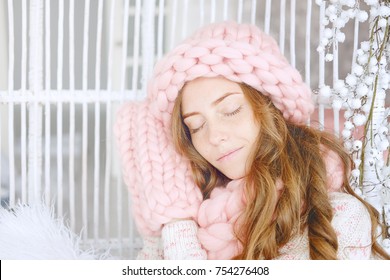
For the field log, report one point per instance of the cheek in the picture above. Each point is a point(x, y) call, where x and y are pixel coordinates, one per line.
point(255, 131)
point(199, 146)
point(253, 128)
point(248, 129)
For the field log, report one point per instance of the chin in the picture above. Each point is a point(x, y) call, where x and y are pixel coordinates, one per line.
point(234, 175)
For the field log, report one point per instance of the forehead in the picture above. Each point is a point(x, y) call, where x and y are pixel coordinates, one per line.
point(202, 91)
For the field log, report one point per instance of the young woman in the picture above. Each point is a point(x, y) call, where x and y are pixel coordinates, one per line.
point(221, 164)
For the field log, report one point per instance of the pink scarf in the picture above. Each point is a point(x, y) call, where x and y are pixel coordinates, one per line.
point(216, 218)
point(218, 214)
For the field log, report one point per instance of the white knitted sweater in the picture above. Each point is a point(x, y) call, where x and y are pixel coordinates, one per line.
point(351, 222)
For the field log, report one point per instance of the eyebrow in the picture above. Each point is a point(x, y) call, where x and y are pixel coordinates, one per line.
point(214, 103)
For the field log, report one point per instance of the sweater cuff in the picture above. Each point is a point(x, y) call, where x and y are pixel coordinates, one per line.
point(180, 241)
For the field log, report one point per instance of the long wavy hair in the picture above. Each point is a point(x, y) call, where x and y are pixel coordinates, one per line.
point(291, 153)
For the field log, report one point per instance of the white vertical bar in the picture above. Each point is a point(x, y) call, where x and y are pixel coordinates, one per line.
point(184, 20)
point(11, 125)
point(253, 12)
point(148, 49)
point(11, 45)
point(321, 60)
point(47, 152)
point(213, 11)
point(10, 105)
point(107, 189)
point(34, 151)
point(59, 160)
point(173, 24)
point(292, 33)
point(282, 27)
point(124, 43)
point(321, 67)
point(267, 19)
point(23, 126)
point(137, 23)
point(96, 193)
point(60, 44)
point(240, 11)
point(85, 44)
point(201, 10)
point(47, 46)
point(71, 46)
point(107, 170)
point(307, 41)
point(24, 46)
point(225, 9)
point(23, 159)
point(84, 168)
point(110, 45)
point(98, 44)
point(355, 41)
point(336, 113)
point(96, 171)
point(72, 206)
point(47, 104)
point(108, 127)
point(137, 20)
point(160, 33)
point(60, 189)
point(335, 61)
point(35, 109)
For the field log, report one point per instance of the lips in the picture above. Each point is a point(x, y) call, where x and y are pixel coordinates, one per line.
point(228, 154)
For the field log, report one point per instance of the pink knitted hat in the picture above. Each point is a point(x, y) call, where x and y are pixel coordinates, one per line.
point(239, 52)
point(158, 178)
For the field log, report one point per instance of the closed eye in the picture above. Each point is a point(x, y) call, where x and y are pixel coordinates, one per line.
point(234, 112)
point(195, 130)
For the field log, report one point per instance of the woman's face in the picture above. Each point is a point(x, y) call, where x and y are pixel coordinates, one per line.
point(221, 122)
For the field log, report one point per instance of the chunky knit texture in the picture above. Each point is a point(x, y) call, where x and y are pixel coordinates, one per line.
point(158, 178)
point(218, 214)
point(241, 53)
point(351, 222)
point(217, 217)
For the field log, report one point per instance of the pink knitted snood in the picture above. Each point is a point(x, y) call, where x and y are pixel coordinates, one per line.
point(217, 216)
point(158, 178)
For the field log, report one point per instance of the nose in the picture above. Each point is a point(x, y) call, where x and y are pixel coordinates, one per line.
point(217, 133)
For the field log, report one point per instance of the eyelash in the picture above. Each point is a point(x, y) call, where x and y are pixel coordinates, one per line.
point(192, 131)
point(235, 112)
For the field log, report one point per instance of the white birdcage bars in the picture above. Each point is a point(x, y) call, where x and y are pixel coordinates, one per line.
point(71, 83)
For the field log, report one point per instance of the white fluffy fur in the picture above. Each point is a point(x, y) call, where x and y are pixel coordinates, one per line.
point(32, 232)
